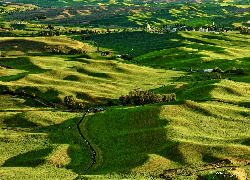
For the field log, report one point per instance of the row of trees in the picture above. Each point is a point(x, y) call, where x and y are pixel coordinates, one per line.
point(6, 10)
point(238, 71)
point(134, 98)
point(70, 52)
point(145, 97)
point(49, 33)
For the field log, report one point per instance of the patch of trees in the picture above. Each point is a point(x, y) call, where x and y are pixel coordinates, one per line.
point(38, 17)
point(244, 30)
point(239, 71)
point(71, 103)
point(6, 10)
point(6, 34)
point(137, 97)
point(65, 50)
point(49, 33)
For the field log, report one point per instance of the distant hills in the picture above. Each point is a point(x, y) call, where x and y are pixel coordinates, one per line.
point(136, 14)
point(85, 2)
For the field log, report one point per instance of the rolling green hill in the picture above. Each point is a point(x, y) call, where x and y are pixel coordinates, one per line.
point(54, 76)
point(146, 140)
point(203, 134)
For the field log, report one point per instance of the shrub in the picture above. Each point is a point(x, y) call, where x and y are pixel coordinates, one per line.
point(126, 57)
point(33, 95)
point(22, 92)
point(110, 103)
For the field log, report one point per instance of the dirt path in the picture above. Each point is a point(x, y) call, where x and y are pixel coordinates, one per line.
point(90, 146)
point(187, 88)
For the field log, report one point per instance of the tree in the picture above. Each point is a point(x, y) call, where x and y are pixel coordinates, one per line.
point(57, 33)
point(51, 27)
point(216, 69)
point(219, 76)
point(110, 103)
point(239, 71)
point(78, 105)
point(69, 101)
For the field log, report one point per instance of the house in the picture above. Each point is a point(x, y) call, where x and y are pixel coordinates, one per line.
point(205, 70)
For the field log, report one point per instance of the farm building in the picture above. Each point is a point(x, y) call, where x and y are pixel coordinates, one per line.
point(205, 70)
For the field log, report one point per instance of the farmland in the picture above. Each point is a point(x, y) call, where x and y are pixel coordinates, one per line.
point(63, 113)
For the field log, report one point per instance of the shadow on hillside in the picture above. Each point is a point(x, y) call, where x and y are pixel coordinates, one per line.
point(19, 121)
point(22, 63)
point(138, 43)
point(207, 157)
point(199, 92)
point(79, 153)
point(66, 132)
point(93, 74)
point(30, 159)
point(129, 137)
point(87, 97)
point(22, 45)
point(246, 142)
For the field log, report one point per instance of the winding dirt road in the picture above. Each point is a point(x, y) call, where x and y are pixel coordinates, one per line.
point(91, 147)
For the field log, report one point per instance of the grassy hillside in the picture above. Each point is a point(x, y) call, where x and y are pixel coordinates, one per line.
point(31, 67)
point(182, 50)
point(209, 121)
point(38, 143)
point(146, 140)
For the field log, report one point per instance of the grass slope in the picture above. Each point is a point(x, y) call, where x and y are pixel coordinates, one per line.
point(202, 51)
point(38, 143)
point(146, 140)
point(55, 76)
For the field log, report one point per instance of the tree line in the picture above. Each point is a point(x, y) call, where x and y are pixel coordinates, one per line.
point(137, 97)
